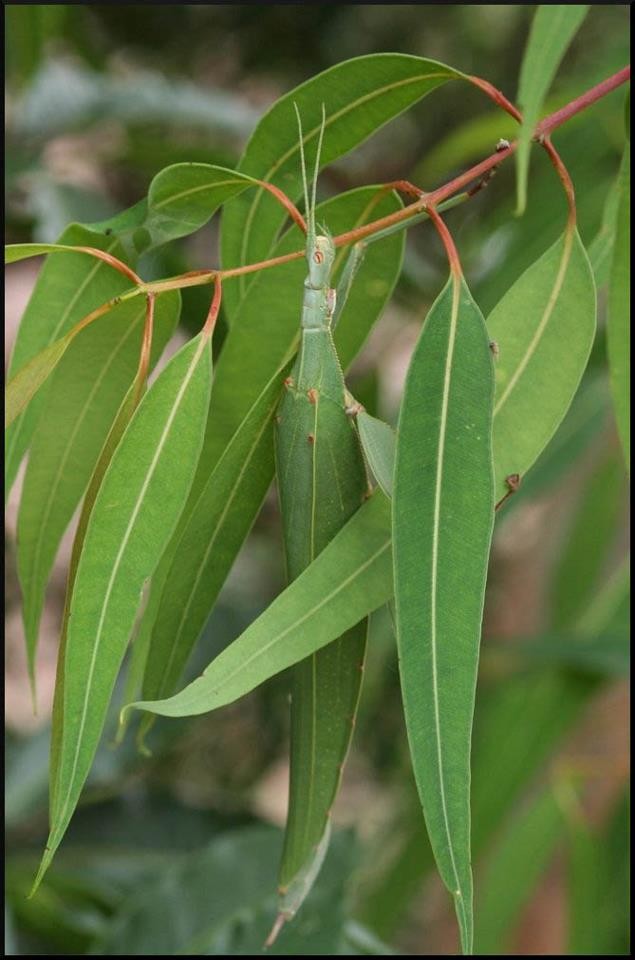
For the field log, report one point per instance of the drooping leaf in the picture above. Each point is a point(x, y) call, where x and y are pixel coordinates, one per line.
point(552, 30)
point(135, 512)
point(544, 327)
point(68, 287)
point(378, 442)
point(619, 316)
point(119, 425)
point(514, 867)
point(443, 514)
point(84, 395)
point(359, 97)
point(348, 580)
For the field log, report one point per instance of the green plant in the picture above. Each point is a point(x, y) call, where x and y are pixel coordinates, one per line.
point(176, 476)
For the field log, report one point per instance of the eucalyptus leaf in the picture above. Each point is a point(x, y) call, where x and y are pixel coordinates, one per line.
point(544, 328)
point(84, 396)
point(443, 514)
point(135, 512)
point(347, 581)
point(552, 30)
point(68, 287)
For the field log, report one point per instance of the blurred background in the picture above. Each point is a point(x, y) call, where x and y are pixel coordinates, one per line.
point(99, 98)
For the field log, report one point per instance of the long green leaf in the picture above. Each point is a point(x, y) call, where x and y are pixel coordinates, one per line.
point(346, 582)
point(443, 515)
point(84, 395)
point(619, 313)
point(359, 96)
point(136, 510)
point(119, 425)
point(544, 327)
point(552, 30)
point(68, 287)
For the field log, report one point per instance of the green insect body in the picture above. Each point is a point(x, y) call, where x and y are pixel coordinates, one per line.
point(321, 483)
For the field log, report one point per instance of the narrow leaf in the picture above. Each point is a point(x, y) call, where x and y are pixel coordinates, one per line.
point(347, 581)
point(443, 514)
point(359, 97)
point(121, 421)
point(619, 313)
point(84, 396)
point(378, 442)
point(544, 328)
point(552, 30)
point(68, 287)
point(137, 507)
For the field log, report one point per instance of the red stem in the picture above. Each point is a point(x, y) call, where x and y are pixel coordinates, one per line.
point(448, 242)
point(110, 260)
point(212, 315)
point(146, 344)
point(565, 113)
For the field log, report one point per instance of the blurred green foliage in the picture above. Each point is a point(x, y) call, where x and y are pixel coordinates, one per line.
point(99, 99)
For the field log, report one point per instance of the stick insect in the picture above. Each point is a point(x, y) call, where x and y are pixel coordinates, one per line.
point(321, 483)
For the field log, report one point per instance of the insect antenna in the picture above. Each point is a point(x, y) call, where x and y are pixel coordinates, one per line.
point(307, 206)
point(316, 169)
